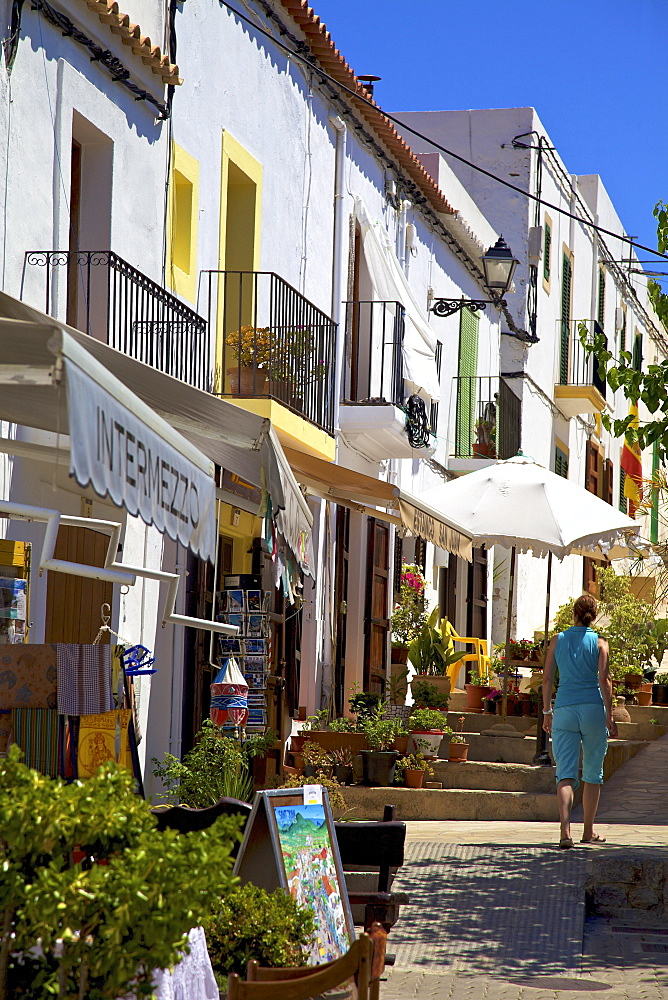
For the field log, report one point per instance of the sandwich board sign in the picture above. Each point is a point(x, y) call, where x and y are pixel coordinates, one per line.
point(290, 843)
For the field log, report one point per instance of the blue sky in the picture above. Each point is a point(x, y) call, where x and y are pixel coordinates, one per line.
point(593, 70)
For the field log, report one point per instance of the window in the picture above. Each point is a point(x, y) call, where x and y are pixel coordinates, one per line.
point(623, 502)
point(637, 352)
point(622, 333)
point(608, 479)
point(566, 281)
point(547, 252)
point(467, 382)
point(433, 411)
point(560, 462)
point(182, 224)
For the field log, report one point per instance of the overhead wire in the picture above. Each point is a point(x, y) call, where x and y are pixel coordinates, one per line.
point(310, 61)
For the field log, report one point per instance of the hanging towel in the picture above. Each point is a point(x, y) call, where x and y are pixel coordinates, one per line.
point(84, 679)
point(103, 737)
point(36, 731)
point(28, 675)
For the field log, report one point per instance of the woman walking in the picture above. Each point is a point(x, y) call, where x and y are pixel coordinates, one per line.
point(581, 718)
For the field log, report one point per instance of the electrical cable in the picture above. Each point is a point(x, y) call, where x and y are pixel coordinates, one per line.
point(417, 423)
point(309, 60)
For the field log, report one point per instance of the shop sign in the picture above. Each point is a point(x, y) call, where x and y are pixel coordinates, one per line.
point(432, 529)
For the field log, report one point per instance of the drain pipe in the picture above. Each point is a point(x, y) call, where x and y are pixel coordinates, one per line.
point(337, 259)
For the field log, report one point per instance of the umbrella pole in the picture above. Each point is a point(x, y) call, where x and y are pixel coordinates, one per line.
point(542, 755)
point(509, 619)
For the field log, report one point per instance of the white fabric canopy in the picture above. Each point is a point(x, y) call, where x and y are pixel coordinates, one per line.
point(518, 502)
point(390, 285)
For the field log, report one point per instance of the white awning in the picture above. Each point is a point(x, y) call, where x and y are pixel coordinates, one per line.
point(238, 441)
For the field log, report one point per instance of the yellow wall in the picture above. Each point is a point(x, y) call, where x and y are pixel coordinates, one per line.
point(242, 534)
point(182, 222)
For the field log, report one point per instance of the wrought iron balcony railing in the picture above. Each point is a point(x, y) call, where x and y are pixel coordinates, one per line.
point(576, 367)
point(488, 418)
point(112, 301)
point(271, 342)
point(374, 341)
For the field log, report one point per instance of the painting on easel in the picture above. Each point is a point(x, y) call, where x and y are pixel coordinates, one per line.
point(307, 863)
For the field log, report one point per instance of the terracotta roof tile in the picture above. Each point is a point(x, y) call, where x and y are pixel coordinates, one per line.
point(131, 34)
point(328, 55)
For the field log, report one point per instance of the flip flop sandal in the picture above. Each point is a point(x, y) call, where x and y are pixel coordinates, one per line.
point(594, 840)
point(565, 843)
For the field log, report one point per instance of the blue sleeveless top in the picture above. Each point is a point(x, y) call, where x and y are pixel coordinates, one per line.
point(576, 654)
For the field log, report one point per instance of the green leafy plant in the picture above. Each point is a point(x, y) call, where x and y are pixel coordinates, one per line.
point(654, 722)
point(315, 755)
point(432, 650)
point(315, 723)
point(341, 756)
point(409, 615)
point(661, 679)
point(365, 704)
point(336, 799)
point(217, 766)
point(427, 719)
point(415, 762)
point(398, 685)
point(250, 345)
point(342, 726)
point(477, 680)
point(428, 696)
point(250, 922)
point(380, 733)
point(91, 930)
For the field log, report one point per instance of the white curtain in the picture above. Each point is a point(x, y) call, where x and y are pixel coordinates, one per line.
point(390, 285)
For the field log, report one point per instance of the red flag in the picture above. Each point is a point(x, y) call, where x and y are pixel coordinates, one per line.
point(632, 465)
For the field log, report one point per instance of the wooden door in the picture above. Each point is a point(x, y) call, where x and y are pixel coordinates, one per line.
point(341, 606)
point(376, 620)
point(476, 610)
point(447, 589)
point(73, 603)
point(72, 315)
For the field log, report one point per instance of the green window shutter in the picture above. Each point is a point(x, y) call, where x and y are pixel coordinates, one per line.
point(637, 352)
point(623, 502)
point(601, 297)
point(565, 319)
point(622, 334)
point(560, 462)
point(547, 251)
point(654, 513)
point(466, 383)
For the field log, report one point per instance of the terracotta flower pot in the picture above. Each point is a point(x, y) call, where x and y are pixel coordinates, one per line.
point(297, 743)
point(247, 380)
point(413, 777)
point(339, 741)
point(400, 654)
point(475, 694)
point(620, 712)
point(633, 681)
point(401, 744)
point(458, 752)
point(644, 698)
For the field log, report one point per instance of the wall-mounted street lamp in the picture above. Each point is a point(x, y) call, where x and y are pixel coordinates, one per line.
point(499, 266)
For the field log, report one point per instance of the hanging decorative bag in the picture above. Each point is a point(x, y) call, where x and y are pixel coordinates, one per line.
point(229, 696)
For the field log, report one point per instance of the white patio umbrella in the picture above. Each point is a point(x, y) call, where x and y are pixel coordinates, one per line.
point(520, 505)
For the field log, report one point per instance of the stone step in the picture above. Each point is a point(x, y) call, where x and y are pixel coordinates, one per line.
point(477, 722)
point(630, 885)
point(494, 777)
point(639, 713)
point(641, 730)
point(452, 803)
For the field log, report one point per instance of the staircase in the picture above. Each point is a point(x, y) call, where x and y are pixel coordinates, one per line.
point(499, 781)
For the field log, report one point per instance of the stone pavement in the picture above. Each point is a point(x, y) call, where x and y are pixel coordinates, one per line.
point(497, 911)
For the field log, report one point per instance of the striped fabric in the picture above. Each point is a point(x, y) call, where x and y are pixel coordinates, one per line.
point(84, 679)
point(36, 731)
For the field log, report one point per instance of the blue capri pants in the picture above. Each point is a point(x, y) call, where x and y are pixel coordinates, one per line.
point(575, 726)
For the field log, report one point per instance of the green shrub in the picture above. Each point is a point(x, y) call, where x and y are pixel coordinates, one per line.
point(428, 718)
point(253, 923)
point(116, 921)
point(428, 695)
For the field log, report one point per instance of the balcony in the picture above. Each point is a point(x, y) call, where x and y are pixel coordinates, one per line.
point(488, 422)
point(580, 389)
point(112, 301)
point(275, 354)
point(372, 415)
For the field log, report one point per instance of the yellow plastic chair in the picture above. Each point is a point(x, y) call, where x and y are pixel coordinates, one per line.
point(480, 656)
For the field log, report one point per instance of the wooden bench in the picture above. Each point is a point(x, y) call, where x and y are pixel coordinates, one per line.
point(374, 847)
point(364, 962)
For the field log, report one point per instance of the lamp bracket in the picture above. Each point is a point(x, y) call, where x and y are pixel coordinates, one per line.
point(447, 307)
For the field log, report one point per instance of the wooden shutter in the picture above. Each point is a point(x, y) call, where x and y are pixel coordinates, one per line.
point(654, 513)
point(623, 502)
point(566, 282)
point(593, 469)
point(560, 462)
point(73, 603)
point(547, 251)
point(376, 623)
point(601, 297)
point(622, 334)
point(637, 352)
point(466, 383)
point(608, 477)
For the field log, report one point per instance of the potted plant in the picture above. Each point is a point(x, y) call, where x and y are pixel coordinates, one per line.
point(477, 690)
point(311, 725)
point(492, 699)
point(459, 748)
point(316, 760)
point(341, 760)
point(414, 768)
point(340, 734)
point(250, 347)
point(485, 435)
point(409, 614)
point(660, 690)
point(432, 653)
point(426, 694)
point(379, 761)
point(428, 725)
point(401, 737)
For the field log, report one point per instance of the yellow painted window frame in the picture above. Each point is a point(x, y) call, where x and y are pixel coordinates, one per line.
point(183, 281)
point(233, 152)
